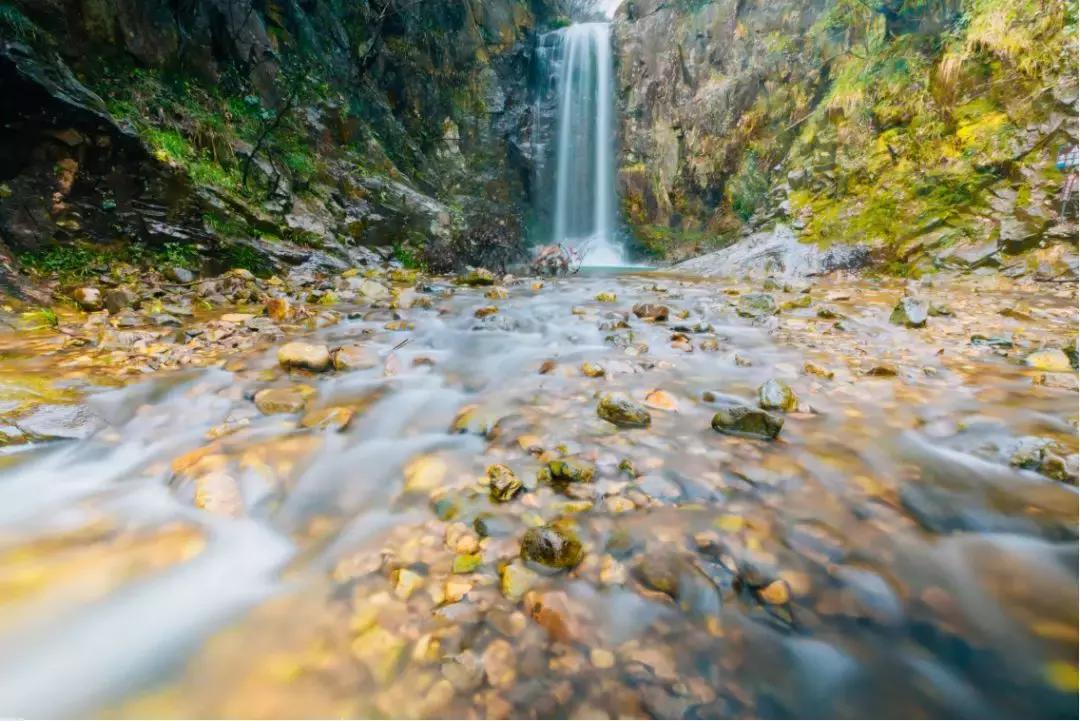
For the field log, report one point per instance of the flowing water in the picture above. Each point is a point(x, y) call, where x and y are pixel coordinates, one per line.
point(581, 62)
point(190, 556)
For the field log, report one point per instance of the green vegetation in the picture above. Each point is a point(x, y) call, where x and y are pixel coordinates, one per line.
point(241, 255)
point(749, 188)
point(918, 125)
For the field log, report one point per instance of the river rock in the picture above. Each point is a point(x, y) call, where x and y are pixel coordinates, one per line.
point(737, 419)
point(278, 308)
point(118, 299)
point(370, 289)
point(605, 297)
point(592, 370)
point(306, 356)
point(910, 312)
point(552, 546)
point(476, 277)
point(89, 299)
point(504, 483)
point(566, 470)
point(623, 411)
point(756, 305)
point(271, 401)
point(178, 274)
point(334, 417)
point(776, 395)
point(354, 357)
point(515, 580)
point(1052, 360)
point(651, 311)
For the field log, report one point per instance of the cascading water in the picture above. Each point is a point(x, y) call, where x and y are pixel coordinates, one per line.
point(584, 188)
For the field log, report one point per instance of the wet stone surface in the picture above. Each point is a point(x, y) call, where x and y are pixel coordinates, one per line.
point(578, 505)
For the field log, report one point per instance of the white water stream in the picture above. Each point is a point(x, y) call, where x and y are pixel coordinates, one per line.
point(585, 166)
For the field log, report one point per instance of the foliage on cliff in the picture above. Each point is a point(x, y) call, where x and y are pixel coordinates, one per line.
point(924, 128)
point(323, 123)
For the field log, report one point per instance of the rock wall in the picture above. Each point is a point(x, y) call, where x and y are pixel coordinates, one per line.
point(221, 127)
point(925, 131)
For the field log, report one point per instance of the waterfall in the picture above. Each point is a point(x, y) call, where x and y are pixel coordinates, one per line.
point(584, 180)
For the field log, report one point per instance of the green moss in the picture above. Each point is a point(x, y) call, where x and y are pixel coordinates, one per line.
point(67, 261)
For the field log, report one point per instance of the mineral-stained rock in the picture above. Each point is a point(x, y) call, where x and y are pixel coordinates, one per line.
point(567, 470)
point(503, 482)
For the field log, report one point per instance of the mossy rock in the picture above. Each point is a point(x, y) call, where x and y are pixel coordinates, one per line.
point(741, 420)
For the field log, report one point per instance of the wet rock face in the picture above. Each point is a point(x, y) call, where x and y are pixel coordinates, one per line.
point(691, 70)
point(110, 182)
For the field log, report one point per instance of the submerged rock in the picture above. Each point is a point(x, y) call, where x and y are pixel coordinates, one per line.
point(592, 370)
point(737, 419)
point(910, 312)
point(354, 358)
point(293, 399)
point(623, 411)
point(567, 470)
point(334, 417)
point(776, 395)
point(504, 483)
point(651, 311)
point(605, 297)
point(552, 546)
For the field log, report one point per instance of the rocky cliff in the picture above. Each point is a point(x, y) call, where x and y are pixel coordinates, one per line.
point(925, 130)
point(255, 132)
